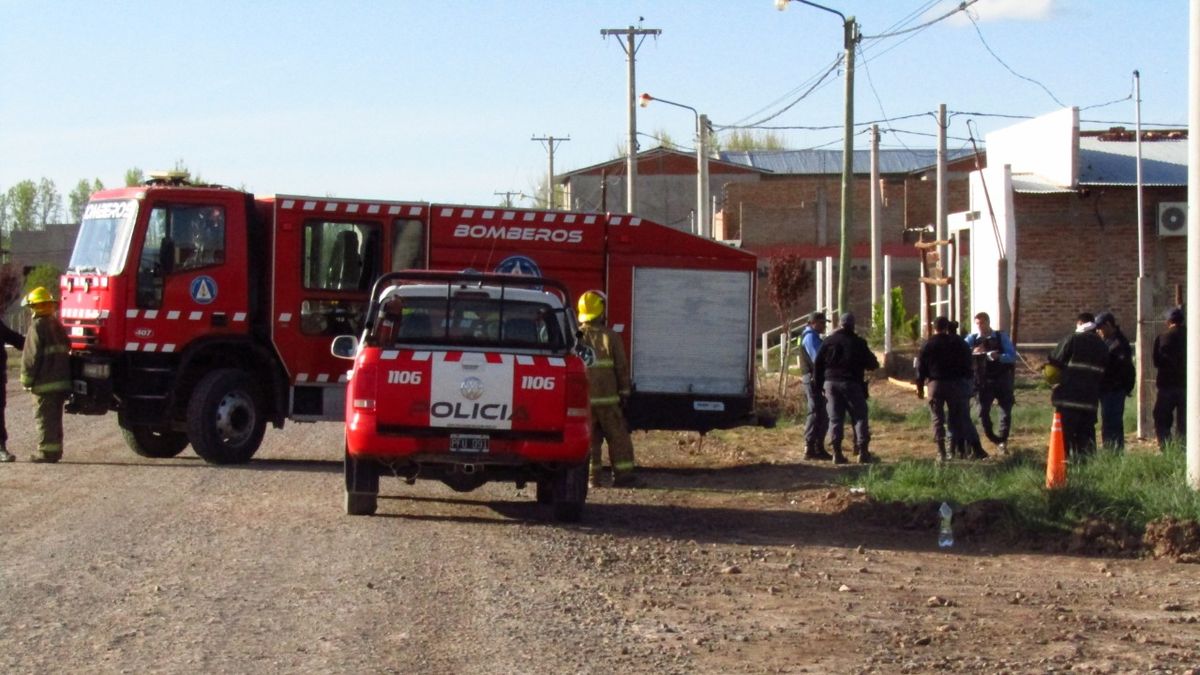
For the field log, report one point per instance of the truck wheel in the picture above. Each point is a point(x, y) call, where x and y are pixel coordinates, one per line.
point(149, 442)
point(570, 491)
point(545, 491)
point(225, 418)
point(362, 486)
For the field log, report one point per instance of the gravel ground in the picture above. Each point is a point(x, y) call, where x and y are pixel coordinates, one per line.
point(114, 563)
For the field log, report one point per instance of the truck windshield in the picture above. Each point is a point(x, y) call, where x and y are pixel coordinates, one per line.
point(104, 236)
point(470, 322)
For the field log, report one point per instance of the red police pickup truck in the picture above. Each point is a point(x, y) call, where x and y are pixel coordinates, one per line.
point(467, 378)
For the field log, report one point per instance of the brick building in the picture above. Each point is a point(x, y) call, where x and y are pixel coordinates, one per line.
point(1066, 218)
point(796, 209)
point(666, 185)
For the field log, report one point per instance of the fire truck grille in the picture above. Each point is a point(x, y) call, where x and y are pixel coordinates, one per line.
point(81, 334)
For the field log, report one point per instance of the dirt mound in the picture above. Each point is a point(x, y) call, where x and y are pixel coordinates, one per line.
point(1172, 538)
point(1100, 537)
point(976, 520)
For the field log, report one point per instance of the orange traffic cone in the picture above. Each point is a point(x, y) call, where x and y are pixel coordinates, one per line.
point(1056, 458)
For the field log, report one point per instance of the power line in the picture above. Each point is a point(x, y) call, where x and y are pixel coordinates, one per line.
point(962, 6)
point(789, 106)
point(1006, 66)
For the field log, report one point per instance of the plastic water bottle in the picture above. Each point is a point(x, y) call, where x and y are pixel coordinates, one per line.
point(946, 530)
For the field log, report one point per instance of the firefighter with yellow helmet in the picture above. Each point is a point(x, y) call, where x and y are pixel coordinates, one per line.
point(46, 371)
point(608, 379)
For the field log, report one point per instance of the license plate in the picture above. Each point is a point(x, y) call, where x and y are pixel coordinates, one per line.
point(468, 443)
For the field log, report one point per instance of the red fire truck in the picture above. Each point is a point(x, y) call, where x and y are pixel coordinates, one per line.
point(201, 313)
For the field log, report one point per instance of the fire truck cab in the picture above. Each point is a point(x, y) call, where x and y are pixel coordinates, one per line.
point(199, 314)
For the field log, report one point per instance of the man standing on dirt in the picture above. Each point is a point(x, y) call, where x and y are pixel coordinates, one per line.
point(1117, 383)
point(46, 371)
point(11, 337)
point(945, 364)
point(1075, 368)
point(608, 379)
point(816, 423)
point(840, 370)
point(1170, 358)
point(994, 361)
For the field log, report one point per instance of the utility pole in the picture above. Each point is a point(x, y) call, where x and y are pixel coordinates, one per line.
point(850, 27)
point(508, 195)
point(549, 143)
point(1192, 397)
point(631, 46)
point(940, 225)
point(876, 239)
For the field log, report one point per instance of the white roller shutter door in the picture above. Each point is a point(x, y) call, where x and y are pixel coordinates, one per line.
point(691, 331)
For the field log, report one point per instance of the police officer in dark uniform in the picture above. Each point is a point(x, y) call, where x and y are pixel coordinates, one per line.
point(840, 370)
point(943, 370)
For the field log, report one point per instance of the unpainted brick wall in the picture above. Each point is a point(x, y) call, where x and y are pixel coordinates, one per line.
point(1079, 253)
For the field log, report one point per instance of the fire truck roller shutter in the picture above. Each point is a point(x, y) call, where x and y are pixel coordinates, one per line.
point(692, 331)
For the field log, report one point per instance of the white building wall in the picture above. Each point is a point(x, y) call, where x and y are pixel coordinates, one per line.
point(989, 244)
point(1046, 146)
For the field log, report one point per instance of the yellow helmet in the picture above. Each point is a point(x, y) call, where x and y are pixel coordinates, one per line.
point(37, 296)
point(1051, 374)
point(591, 306)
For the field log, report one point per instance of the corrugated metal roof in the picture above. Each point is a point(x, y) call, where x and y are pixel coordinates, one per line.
point(1028, 183)
point(809, 162)
point(1115, 162)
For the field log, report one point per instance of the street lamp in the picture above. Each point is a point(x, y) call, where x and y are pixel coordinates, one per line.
point(850, 39)
point(703, 226)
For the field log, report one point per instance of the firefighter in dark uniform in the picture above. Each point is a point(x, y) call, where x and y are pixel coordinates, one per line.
point(945, 364)
point(1076, 367)
point(46, 371)
point(10, 337)
point(608, 383)
point(816, 423)
point(840, 369)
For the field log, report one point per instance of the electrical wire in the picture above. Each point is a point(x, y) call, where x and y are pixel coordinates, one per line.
point(996, 56)
point(789, 106)
point(962, 6)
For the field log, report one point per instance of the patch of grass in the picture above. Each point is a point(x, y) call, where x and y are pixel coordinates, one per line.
point(879, 411)
point(1130, 488)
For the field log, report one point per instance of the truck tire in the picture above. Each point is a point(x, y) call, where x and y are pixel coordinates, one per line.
point(225, 417)
point(544, 491)
point(570, 492)
point(362, 486)
point(153, 443)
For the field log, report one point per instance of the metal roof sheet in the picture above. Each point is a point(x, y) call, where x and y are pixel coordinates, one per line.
point(1115, 162)
point(808, 162)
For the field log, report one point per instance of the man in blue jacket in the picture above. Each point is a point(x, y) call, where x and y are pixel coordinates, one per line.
point(817, 421)
point(994, 358)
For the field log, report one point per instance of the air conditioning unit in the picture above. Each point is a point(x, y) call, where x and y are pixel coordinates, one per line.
point(1172, 219)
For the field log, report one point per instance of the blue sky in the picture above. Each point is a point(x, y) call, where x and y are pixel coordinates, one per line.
point(438, 100)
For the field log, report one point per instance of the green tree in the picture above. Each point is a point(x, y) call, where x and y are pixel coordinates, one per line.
point(134, 177)
point(21, 206)
point(78, 198)
point(746, 139)
point(47, 203)
point(43, 275)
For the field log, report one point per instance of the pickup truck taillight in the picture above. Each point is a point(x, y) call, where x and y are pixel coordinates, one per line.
point(578, 401)
point(362, 387)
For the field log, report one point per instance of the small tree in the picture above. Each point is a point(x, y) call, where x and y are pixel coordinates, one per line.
point(789, 277)
point(78, 198)
point(134, 177)
point(43, 275)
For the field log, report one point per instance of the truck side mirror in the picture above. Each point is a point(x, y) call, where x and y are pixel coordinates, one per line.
point(344, 346)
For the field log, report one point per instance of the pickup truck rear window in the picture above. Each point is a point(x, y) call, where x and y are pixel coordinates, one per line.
point(469, 321)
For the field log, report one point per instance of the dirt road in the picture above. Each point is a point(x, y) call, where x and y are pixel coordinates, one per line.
point(114, 563)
